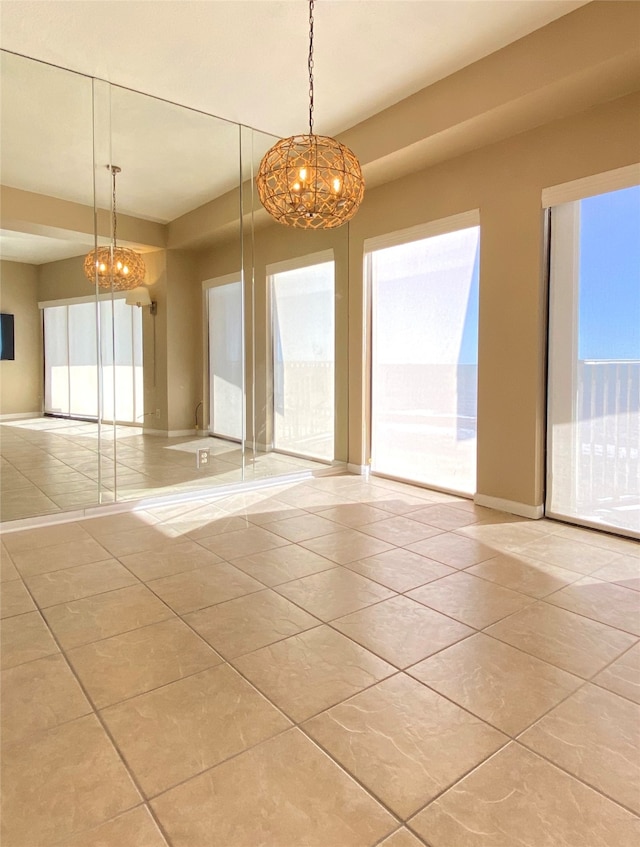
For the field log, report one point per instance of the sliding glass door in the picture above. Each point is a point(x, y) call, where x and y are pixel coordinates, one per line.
point(303, 332)
point(75, 380)
point(424, 300)
point(593, 473)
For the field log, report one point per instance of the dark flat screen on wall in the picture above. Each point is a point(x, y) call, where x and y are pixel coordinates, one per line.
point(7, 348)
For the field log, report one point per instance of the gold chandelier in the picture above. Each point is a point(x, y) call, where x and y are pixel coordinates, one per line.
point(114, 268)
point(310, 181)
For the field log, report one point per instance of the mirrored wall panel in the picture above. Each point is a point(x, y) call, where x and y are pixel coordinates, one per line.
point(170, 338)
point(50, 428)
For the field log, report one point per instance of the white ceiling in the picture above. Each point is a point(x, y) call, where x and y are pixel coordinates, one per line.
point(243, 60)
point(246, 60)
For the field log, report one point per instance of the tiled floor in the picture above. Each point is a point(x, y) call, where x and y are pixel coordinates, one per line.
point(51, 465)
point(337, 663)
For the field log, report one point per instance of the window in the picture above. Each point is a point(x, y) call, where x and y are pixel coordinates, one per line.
point(303, 330)
point(424, 335)
point(593, 473)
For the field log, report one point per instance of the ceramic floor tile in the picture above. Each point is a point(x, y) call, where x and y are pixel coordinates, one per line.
point(404, 742)
point(516, 799)
point(129, 664)
point(625, 571)
point(7, 568)
point(44, 536)
point(244, 542)
point(504, 537)
point(571, 642)
point(346, 546)
point(507, 688)
point(314, 670)
point(400, 530)
point(135, 828)
point(63, 586)
point(139, 540)
point(175, 558)
point(354, 514)
point(595, 735)
point(108, 525)
point(623, 675)
point(186, 592)
point(59, 556)
point(603, 601)
point(469, 599)
point(25, 638)
point(444, 517)
point(402, 838)
point(597, 538)
point(282, 793)
point(38, 695)
point(333, 593)
point(310, 499)
point(15, 599)
point(250, 622)
point(400, 569)
point(104, 615)
point(302, 528)
point(74, 777)
point(207, 522)
point(528, 576)
point(402, 631)
point(177, 731)
point(282, 564)
point(568, 554)
point(453, 550)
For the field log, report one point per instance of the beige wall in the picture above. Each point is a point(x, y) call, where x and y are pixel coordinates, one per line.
point(21, 389)
point(184, 340)
point(505, 182)
point(63, 280)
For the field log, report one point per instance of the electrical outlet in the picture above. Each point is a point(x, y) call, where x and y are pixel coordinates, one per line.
point(157, 413)
point(202, 457)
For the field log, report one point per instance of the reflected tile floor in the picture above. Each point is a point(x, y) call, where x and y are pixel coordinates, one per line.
point(51, 465)
point(331, 663)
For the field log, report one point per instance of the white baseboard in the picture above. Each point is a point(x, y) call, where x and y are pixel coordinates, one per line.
point(524, 510)
point(20, 416)
point(361, 470)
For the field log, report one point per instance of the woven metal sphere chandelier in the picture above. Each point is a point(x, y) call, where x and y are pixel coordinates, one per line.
point(310, 181)
point(114, 268)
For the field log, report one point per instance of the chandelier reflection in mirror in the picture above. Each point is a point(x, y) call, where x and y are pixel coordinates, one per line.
point(310, 181)
point(114, 268)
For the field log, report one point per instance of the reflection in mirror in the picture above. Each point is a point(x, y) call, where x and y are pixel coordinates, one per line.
point(49, 422)
point(178, 184)
point(296, 284)
point(235, 343)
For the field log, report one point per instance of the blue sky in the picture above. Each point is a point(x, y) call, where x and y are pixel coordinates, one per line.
point(609, 307)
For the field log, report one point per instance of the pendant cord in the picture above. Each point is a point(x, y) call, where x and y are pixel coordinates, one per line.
point(113, 174)
point(310, 64)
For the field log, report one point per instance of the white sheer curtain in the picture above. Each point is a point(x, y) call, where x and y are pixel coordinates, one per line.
point(225, 360)
point(303, 328)
point(424, 297)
